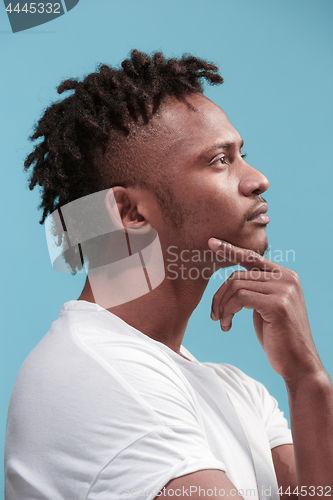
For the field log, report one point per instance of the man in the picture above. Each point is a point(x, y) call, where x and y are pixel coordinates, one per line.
point(110, 404)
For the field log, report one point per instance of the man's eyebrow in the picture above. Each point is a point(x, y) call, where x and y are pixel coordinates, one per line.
point(225, 145)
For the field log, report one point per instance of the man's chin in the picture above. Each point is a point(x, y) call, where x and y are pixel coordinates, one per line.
point(264, 249)
point(260, 247)
point(260, 250)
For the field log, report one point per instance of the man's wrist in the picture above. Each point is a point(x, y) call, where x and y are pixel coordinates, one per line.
point(316, 381)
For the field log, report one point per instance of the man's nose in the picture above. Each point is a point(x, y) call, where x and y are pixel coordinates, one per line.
point(253, 182)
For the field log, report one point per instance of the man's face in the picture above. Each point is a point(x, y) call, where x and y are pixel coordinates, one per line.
point(215, 188)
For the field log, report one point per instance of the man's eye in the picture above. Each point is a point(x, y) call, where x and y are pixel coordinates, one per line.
point(223, 160)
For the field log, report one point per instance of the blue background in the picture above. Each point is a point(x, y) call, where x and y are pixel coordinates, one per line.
point(276, 58)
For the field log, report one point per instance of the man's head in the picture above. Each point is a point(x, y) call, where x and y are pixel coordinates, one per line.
point(90, 139)
point(171, 155)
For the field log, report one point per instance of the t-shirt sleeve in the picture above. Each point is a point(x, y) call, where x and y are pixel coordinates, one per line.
point(148, 464)
point(274, 420)
point(172, 442)
point(259, 398)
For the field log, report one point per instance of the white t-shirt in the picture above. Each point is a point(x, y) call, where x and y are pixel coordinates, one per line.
point(100, 411)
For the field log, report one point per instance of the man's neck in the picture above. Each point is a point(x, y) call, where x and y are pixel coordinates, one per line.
point(163, 313)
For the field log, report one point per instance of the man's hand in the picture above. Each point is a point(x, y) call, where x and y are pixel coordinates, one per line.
point(279, 313)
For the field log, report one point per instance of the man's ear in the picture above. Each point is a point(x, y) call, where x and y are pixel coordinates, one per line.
point(121, 204)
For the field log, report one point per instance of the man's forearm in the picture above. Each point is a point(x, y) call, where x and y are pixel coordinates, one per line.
point(311, 414)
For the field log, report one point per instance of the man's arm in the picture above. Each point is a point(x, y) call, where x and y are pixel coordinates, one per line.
point(200, 484)
point(311, 417)
point(285, 469)
point(280, 320)
point(312, 429)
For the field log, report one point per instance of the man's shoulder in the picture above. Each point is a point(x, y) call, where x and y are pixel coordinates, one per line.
point(88, 341)
point(82, 364)
point(240, 385)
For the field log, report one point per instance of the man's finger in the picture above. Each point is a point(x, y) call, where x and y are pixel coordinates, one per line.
point(218, 306)
point(241, 256)
point(253, 275)
point(248, 299)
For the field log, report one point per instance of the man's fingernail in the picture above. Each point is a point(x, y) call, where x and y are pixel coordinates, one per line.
point(213, 315)
point(217, 243)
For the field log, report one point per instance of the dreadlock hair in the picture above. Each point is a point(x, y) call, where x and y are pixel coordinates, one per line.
point(102, 108)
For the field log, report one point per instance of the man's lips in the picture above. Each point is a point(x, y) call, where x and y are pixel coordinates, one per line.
point(259, 215)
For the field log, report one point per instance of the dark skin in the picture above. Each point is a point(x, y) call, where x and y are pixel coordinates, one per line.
point(220, 196)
